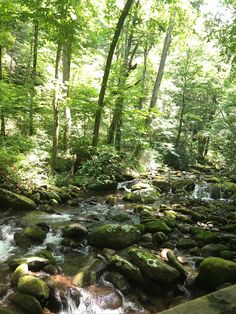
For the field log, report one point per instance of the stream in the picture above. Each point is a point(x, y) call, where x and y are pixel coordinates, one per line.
point(95, 212)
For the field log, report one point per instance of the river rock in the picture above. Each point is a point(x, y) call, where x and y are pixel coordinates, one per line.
point(75, 230)
point(15, 201)
point(33, 286)
point(213, 249)
point(106, 297)
point(114, 236)
point(118, 281)
point(206, 237)
point(35, 233)
point(186, 243)
point(152, 266)
point(158, 238)
point(142, 196)
point(20, 271)
point(27, 303)
point(215, 271)
point(35, 263)
point(164, 186)
point(128, 269)
point(156, 225)
point(90, 273)
point(22, 240)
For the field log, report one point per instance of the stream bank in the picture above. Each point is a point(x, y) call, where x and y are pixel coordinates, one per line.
point(158, 241)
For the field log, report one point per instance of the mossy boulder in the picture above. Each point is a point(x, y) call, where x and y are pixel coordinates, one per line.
point(8, 310)
point(157, 225)
point(35, 233)
point(158, 238)
point(35, 263)
point(114, 236)
point(185, 184)
point(128, 269)
point(152, 266)
point(15, 201)
point(215, 271)
point(22, 240)
point(186, 243)
point(213, 249)
point(27, 303)
point(89, 273)
point(142, 196)
point(20, 271)
point(206, 237)
point(33, 286)
point(74, 231)
point(163, 185)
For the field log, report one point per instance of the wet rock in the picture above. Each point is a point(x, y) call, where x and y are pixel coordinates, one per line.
point(89, 273)
point(22, 240)
point(15, 201)
point(107, 185)
point(118, 281)
point(146, 238)
point(142, 196)
point(214, 272)
point(106, 297)
point(227, 254)
point(114, 236)
point(229, 228)
point(206, 237)
point(33, 286)
point(35, 263)
point(185, 243)
point(128, 269)
point(35, 233)
point(47, 255)
point(8, 310)
point(121, 217)
point(158, 238)
point(156, 225)
point(3, 289)
point(152, 266)
point(27, 303)
point(213, 249)
point(164, 186)
point(183, 185)
point(20, 271)
point(75, 230)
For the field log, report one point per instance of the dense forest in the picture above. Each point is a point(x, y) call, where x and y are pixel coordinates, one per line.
point(90, 87)
point(117, 156)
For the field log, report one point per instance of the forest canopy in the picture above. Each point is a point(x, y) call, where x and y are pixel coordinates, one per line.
point(89, 89)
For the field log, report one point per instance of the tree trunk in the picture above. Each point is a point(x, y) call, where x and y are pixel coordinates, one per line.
point(160, 72)
point(2, 116)
point(66, 63)
point(33, 78)
point(113, 44)
point(180, 121)
point(143, 79)
point(55, 134)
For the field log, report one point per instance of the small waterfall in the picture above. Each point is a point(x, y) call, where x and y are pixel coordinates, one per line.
point(7, 244)
point(208, 192)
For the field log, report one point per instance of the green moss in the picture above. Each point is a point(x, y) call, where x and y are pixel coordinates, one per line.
point(156, 225)
point(35, 233)
point(216, 271)
point(27, 303)
point(152, 266)
point(186, 243)
point(206, 237)
point(20, 271)
point(33, 286)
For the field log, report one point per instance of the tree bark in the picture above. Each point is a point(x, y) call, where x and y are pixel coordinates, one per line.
point(180, 121)
point(113, 44)
point(55, 109)
point(160, 72)
point(2, 116)
point(66, 64)
point(143, 79)
point(33, 78)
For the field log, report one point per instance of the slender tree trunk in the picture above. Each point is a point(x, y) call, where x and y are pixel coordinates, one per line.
point(66, 63)
point(2, 116)
point(143, 80)
point(180, 121)
point(55, 108)
point(33, 78)
point(160, 72)
point(117, 32)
